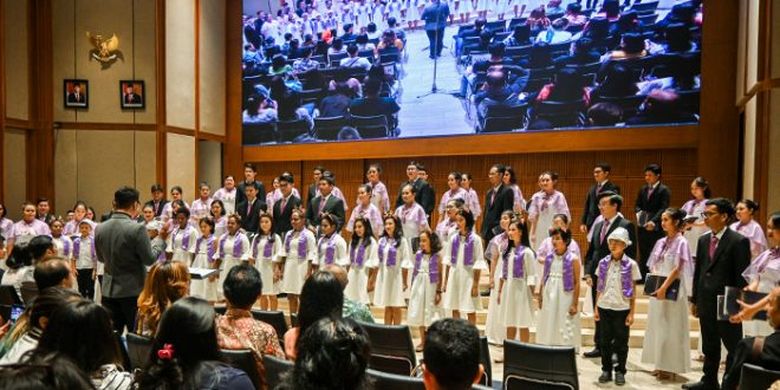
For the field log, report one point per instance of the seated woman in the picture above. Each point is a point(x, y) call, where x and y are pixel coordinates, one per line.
point(574, 15)
point(337, 47)
point(538, 20)
point(279, 66)
point(321, 297)
point(628, 22)
point(185, 353)
point(567, 86)
point(260, 110)
point(539, 57)
point(521, 36)
point(610, 10)
point(337, 101)
point(632, 46)
point(165, 283)
point(619, 81)
point(389, 39)
point(288, 102)
point(363, 44)
point(677, 40)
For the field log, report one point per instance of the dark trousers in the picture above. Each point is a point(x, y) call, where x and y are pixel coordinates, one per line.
point(646, 243)
point(435, 41)
point(712, 333)
point(86, 284)
point(122, 312)
point(596, 327)
point(614, 339)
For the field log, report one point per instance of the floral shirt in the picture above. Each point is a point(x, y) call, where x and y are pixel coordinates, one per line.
point(357, 311)
point(237, 329)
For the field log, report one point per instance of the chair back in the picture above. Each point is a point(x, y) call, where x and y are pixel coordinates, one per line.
point(275, 319)
point(515, 21)
point(387, 381)
point(689, 101)
point(289, 130)
point(496, 26)
point(258, 133)
point(561, 114)
point(628, 104)
point(244, 360)
point(274, 369)
point(29, 291)
point(311, 95)
point(532, 366)
point(371, 126)
point(220, 310)
point(366, 54)
point(484, 358)
point(336, 58)
point(138, 349)
point(503, 118)
point(645, 8)
point(327, 128)
point(392, 349)
point(755, 377)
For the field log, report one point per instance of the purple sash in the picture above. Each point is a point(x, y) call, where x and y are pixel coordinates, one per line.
point(568, 270)
point(77, 248)
point(468, 251)
point(267, 249)
point(237, 245)
point(66, 247)
point(433, 267)
point(209, 247)
point(358, 255)
point(518, 264)
point(330, 248)
point(301, 244)
point(625, 275)
point(185, 241)
point(392, 252)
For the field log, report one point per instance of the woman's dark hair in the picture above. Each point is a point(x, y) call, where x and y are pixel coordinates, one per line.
point(775, 219)
point(611, 8)
point(333, 354)
point(565, 235)
point(361, 39)
point(398, 233)
point(338, 44)
point(371, 27)
point(51, 371)
point(20, 257)
point(221, 208)
point(678, 38)
point(628, 21)
point(619, 81)
point(321, 296)
point(368, 232)
point(522, 33)
point(677, 215)
point(569, 85)
point(183, 210)
point(563, 217)
point(208, 221)
point(81, 331)
point(524, 241)
point(4, 210)
point(468, 176)
point(512, 174)
point(468, 216)
point(704, 185)
point(436, 245)
point(750, 204)
point(457, 176)
point(597, 29)
point(39, 245)
point(188, 326)
point(177, 189)
point(633, 43)
point(278, 62)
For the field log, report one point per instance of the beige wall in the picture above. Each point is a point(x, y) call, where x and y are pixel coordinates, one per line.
point(181, 164)
point(210, 163)
point(16, 58)
point(133, 23)
point(180, 63)
point(212, 66)
point(15, 163)
point(773, 198)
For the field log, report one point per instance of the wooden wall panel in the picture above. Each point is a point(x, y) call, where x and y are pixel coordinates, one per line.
point(773, 180)
point(15, 175)
point(145, 57)
point(180, 63)
point(16, 58)
point(212, 68)
point(181, 163)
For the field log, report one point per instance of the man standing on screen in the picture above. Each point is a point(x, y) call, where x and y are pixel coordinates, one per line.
point(435, 16)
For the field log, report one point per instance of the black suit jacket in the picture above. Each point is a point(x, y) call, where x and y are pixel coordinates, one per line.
point(591, 210)
point(311, 193)
point(73, 99)
point(333, 205)
point(599, 250)
point(504, 200)
point(769, 358)
point(250, 222)
point(159, 209)
point(241, 194)
point(424, 195)
point(282, 217)
point(655, 206)
point(132, 99)
point(711, 276)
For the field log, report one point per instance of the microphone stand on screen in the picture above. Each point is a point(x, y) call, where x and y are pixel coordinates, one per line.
point(434, 89)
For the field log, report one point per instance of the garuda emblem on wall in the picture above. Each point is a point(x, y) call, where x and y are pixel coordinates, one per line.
point(106, 50)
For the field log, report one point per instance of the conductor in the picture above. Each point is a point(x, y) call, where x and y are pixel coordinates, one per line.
point(435, 16)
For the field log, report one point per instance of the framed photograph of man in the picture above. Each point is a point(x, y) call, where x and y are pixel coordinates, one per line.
point(131, 94)
point(75, 93)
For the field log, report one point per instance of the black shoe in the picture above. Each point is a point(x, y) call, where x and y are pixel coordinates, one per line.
point(593, 354)
point(700, 385)
point(605, 377)
point(485, 293)
point(620, 378)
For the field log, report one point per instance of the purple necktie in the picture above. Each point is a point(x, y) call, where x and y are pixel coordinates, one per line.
point(713, 247)
point(650, 192)
point(604, 228)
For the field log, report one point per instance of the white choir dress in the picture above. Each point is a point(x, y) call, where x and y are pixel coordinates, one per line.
point(331, 250)
point(461, 275)
point(554, 324)
point(205, 248)
point(228, 199)
point(423, 310)
point(389, 281)
point(495, 330)
point(695, 208)
point(265, 254)
point(181, 244)
point(766, 269)
point(667, 342)
point(232, 249)
point(362, 260)
point(64, 246)
point(541, 209)
point(516, 297)
point(297, 258)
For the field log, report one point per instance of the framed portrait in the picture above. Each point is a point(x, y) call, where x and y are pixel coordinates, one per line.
point(132, 94)
point(75, 93)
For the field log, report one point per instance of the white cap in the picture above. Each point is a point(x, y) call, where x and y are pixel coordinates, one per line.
point(620, 234)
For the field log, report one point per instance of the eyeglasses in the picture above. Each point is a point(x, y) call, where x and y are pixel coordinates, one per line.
point(707, 214)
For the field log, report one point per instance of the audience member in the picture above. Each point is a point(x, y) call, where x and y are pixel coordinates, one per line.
point(496, 51)
point(556, 33)
point(279, 66)
point(451, 358)
point(363, 44)
point(582, 53)
point(305, 63)
point(348, 133)
point(619, 81)
point(538, 20)
point(185, 353)
point(661, 107)
point(632, 45)
point(353, 61)
point(288, 102)
point(54, 272)
point(604, 115)
point(337, 47)
point(521, 36)
point(539, 57)
point(495, 93)
point(337, 102)
point(574, 15)
point(165, 283)
point(260, 109)
point(569, 85)
point(352, 309)
point(390, 39)
point(372, 104)
point(321, 296)
point(20, 268)
point(52, 372)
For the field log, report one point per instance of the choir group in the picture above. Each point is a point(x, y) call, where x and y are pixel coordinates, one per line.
point(398, 258)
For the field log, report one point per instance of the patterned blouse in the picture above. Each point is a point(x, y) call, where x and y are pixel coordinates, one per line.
point(237, 329)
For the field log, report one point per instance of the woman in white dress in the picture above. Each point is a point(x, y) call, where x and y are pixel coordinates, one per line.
point(393, 9)
point(424, 302)
point(331, 247)
point(232, 249)
point(62, 244)
point(510, 180)
point(700, 191)
point(544, 205)
point(448, 227)
point(763, 275)
point(298, 251)
point(363, 262)
point(472, 199)
point(515, 289)
point(558, 322)
point(227, 194)
point(560, 221)
point(205, 248)
point(363, 15)
point(394, 264)
point(365, 209)
point(666, 343)
point(465, 261)
point(495, 329)
point(412, 216)
point(481, 7)
point(218, 216)
point(749, 228)
point(266, 247)
point(455, 192)
point(181, 242)
point(168, 211)
point(379, 197)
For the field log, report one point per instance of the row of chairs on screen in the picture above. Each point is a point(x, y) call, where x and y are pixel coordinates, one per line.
point(567, 114)
point(325, 129)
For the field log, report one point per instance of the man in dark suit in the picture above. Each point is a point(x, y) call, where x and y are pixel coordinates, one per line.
point(316, 176)
point(747, 350)
point(250, 176)
point(123, 245)
point(158, 201)
point(324, 203)
point(250, 209)
point(435, 16)
point(130, 97)
point(722, 256)
point(499, 199)
point(43, 210)
point(283, 207)
point(423, 193)
point(651, 202)
point(591, 209)
point(609, 203)
point(77, 97)
point(429, 197)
